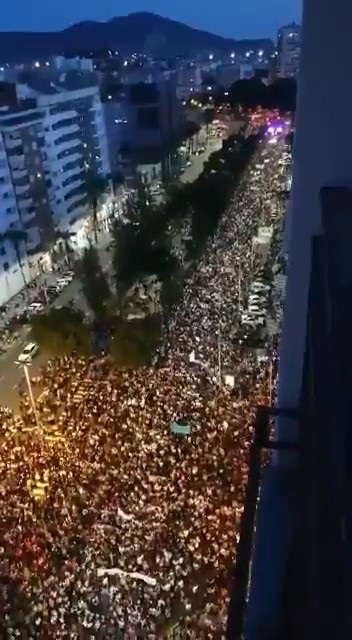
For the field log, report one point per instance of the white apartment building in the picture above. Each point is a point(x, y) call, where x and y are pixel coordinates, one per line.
point(90, 119)
point(42, 186)
point(289, 50)
point(64, 167)
point(11, 273)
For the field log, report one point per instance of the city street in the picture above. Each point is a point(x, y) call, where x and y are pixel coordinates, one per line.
point(214, 144)
point(11, 376)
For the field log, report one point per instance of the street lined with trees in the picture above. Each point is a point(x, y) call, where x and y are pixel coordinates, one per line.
point(141, 248)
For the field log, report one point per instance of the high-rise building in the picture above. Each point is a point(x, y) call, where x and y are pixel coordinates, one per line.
point(42, 181)
point(11, 273)
point(86, 103)
point(289, 50)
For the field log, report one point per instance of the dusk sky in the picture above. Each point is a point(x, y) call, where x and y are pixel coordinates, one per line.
point(231, 18)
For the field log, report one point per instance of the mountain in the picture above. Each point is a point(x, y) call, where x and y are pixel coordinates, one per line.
point(136, 32)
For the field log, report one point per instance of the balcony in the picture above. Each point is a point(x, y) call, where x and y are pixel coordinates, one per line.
point(27, 217)
point(24, 203)
point(13, 144)
point(19, 173)
point(20, 190)
point(16, 162)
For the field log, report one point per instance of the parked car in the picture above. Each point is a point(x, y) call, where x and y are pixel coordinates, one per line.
point(29, 351)
point(36, 307)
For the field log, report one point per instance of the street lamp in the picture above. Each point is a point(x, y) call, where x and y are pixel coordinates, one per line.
point(25, 366)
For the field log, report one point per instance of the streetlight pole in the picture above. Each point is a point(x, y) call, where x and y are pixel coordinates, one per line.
point(219, 355)
point(25, 366)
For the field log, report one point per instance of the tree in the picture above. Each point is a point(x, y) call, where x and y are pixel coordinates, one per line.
point(282, 94)
point(64, 239)
point(208, 116)
point(171, 292)
point(249, 94)
point(96, 185)
point(18, 237)
point(135, 341)
point(61, 331)
point(95, 284)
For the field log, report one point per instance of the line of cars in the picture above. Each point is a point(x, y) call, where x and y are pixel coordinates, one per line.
point(254, 316)
point(48, 294)
point(37, 306)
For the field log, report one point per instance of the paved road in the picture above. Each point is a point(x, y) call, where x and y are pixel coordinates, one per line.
point(214, 144)
point(191, 173)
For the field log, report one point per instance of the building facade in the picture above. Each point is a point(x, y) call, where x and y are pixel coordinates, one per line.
point(89, 117)
point(289, 50)
point(12, 274)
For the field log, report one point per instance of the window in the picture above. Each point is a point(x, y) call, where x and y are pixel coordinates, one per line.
point(3, 251)
point(6, 266)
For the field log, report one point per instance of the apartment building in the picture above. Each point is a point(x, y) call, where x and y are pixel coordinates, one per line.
point(139, 118)
point(89, 117)
point(11, 272)
point(42, 182)
point(289, 50)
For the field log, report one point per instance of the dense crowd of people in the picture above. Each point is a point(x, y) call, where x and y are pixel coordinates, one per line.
point(112, 526)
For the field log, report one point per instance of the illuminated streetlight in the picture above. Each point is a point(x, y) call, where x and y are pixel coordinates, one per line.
point(233, 55)
point(25, 366)
point(211, 56)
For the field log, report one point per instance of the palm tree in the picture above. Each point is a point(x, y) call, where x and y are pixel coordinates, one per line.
point(17, 237)
point(65, 238)
point(96, 185)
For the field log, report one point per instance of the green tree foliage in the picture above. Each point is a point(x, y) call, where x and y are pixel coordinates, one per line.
point(135, 341)
point(95, 284)
point(63, 245)
point(141, 244)
point(95, 186)
point(61, 331)
point(252, 93)
point(171, 292)
point(208, 116)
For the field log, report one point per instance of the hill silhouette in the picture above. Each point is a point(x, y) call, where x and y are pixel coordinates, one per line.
point(136, 32)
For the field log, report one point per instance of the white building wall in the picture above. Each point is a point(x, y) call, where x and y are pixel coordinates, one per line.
point(321, 158)
point(96, 117)
point(62, 139)
point(289, 51)
point(11, 280)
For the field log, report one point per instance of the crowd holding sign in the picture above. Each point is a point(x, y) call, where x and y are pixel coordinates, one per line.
point(136, 526)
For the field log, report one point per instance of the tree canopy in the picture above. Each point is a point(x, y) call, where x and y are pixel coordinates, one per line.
point(135, 341)
point(61, 331)
point(252, 93)
point(94, 281)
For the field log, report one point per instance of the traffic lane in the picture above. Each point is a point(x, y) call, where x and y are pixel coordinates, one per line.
point(193, 172)
point(12, 376)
